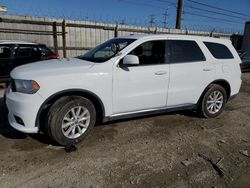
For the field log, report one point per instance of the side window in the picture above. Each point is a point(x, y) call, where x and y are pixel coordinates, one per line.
point(219, 51)
point(24, 51)
point(36, 53)
point(150, 53)
point(45, 51)
point(182, 51)
point(5, 52)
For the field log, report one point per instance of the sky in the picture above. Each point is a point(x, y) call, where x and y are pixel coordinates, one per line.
point(138, 12)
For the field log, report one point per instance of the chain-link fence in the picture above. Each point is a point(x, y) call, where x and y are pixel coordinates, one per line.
point(72, 38)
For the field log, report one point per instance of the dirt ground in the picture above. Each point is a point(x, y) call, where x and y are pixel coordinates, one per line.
point(143, 152)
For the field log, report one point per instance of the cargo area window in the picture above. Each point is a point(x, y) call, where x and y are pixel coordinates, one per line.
point(219, 51)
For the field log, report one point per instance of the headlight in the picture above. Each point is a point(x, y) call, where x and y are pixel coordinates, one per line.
point(26, 86)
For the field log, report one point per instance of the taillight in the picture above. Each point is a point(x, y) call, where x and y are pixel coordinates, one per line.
point(54, 56)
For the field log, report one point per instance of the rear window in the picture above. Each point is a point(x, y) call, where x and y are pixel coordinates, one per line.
point(183, 51)
point(219, 51)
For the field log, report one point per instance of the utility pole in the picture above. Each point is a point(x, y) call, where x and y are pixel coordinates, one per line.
point(152, 20)
point(165, 19)
point(179, 14)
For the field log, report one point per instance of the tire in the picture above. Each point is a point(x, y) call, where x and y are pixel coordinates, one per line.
point(63, 113)
point(210, 107)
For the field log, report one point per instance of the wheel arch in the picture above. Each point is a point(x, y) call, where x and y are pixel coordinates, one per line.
point(100, 109)
point(224, 83)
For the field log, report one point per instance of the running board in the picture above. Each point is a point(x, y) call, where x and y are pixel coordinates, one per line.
point(148, 112)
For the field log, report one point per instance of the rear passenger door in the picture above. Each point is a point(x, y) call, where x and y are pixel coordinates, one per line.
point(190, 71)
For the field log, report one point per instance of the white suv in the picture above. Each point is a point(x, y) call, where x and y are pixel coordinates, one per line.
point(123, 77)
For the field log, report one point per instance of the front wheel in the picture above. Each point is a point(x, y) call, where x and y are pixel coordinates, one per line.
point(213, 101)
point(70, 119)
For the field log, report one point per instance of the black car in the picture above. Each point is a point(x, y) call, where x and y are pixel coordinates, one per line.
point(245, 65)
point(13, 54)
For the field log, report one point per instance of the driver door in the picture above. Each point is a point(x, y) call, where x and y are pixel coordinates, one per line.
point(143, 86)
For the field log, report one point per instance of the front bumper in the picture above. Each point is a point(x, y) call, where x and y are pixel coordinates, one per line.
point(20, 127)
point(25, 107)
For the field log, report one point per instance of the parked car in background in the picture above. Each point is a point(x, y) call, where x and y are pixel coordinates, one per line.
point(16, 53)
point(47, 53)
point(122, 78)
point(245, 65)
point(240, 52)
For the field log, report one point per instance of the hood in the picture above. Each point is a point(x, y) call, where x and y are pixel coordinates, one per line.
point(51, 67)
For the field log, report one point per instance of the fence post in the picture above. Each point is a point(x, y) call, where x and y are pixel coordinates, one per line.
point(155, 31)
point(211, 33)
point(64, 39)
point(55, 37)
point(116, 30)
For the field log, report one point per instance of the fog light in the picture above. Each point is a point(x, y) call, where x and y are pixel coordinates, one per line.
point(19, 120)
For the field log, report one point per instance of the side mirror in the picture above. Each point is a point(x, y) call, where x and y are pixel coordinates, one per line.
point(131, 60)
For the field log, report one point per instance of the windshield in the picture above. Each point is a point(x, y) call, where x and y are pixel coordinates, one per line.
point(106, 50)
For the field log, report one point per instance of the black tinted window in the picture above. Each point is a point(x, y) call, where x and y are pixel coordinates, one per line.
point(46, 51)
point(35, 52)
point(24, 52)
point(219, 51)
point(152, 52)
point(180, 51)
point(5, 52)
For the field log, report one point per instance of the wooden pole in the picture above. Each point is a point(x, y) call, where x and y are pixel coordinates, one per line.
point(64, 39)
point(116, 30)
point(55, 37)
point(179, 14)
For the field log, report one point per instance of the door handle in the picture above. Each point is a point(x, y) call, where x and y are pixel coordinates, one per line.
point(160, 73)
point(207, 69)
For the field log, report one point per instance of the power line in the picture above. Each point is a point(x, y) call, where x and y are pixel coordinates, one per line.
point(218, 8)
point(219, 13)
point(169, 2)
point(214, 18)
point(141, 4)
point(203, 19)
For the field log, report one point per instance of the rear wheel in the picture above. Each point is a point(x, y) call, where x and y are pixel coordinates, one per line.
point(70, 119)
point(213, 102)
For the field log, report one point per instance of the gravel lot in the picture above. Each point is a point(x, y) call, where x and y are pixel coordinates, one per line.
point(143, 152)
